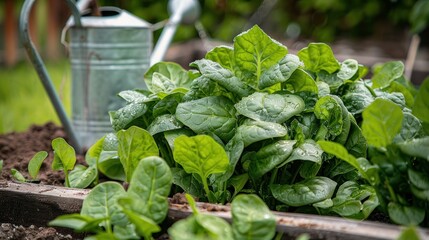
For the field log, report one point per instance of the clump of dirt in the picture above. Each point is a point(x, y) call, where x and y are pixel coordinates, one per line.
point(16, 150)
point(11, 231)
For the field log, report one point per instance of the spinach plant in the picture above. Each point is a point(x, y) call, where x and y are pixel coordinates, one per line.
point(111, 212)
point(33, 167)
point(304, 132)
point(79, 176)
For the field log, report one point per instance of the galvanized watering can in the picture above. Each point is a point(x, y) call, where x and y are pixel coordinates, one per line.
point(108, 54)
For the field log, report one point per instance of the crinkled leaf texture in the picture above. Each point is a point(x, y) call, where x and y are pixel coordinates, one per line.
point(270, 107)
point(209, 115)
point(306, 192)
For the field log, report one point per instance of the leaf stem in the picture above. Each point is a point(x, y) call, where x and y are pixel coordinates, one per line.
point(66, 178)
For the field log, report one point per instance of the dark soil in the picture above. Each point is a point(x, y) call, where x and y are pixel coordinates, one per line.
point(16, 150)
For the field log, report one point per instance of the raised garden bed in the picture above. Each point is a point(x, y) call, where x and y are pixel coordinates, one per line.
point(22, 199)
point(39, 204)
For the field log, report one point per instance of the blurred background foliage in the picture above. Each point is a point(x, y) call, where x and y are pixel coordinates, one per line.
point(318, 20)
point(24, 102)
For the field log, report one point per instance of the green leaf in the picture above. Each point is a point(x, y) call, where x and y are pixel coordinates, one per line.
point(307, 151)
point(209, 115)
point(367, 171)
point(1, 165)
point(144, 226)
point(419, 16)
point(161, 85)
point(332, 80)
point(387, 73)
point(223, 55)
point(327, 203)
point(252, 219)
point(280, 72)
point(382, 120)
point(150, 184)
point(356, 143)
point(82, 176)
point(167, 105)
point(418, 147)
point(411, 128)
point(135, 144)
point(270, 107)
point(77, 222)
point(172, 72)
point(420, 193)
point(238, 182)
point(121, 118)
point(421, 103)
point(200, 154)
point(330, 112)
point(17, 175)
point(349, 68)
point(187, 182)
point(306, 192)
point(35, 163)
point(399, 88)
point(164, 123)
point(93, 153)
point(301, 81)
point(409, 233)
point(64, 155)
point(223, 77)
point(269, 157)
point(200, 226)
point(418, 179)
point(251, 131)
point(317, 57)
point(101, 203)
point(108, 162)
point(255, 52)
point(355, 200)
point(405, 215)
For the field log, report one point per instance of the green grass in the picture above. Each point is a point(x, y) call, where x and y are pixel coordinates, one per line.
point(24, 101)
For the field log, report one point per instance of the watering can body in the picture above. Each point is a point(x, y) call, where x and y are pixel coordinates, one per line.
point(108, 54)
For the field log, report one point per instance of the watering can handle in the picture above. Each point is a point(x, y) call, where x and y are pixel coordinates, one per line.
point(40, 68)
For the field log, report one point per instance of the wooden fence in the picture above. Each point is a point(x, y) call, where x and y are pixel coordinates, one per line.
point(47, 41)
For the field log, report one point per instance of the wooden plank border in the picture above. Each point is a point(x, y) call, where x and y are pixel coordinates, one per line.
point(26, 203)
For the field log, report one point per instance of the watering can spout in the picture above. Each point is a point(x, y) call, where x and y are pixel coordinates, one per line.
point(182, 11)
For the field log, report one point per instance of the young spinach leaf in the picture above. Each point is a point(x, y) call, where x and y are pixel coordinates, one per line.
point(387, 73)
point(17, 175)
point(35, 163)
point(279, 72)
point(64, 157)
point(151, 185)
point(252, 219)
point(134, 145)
point(82, 176)
point(255, 52)
point(201, 155)
point(224, 55)
point(382, 120)
point(421, 104)
point(318, 57)
point(348, 69)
